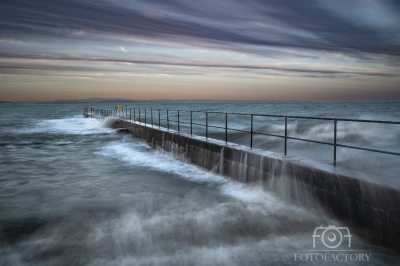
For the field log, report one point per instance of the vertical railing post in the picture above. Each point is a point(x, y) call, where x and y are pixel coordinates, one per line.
point(159, 119)
point(334, 141)
point(191, 122)
point(151, 114)
point(226, 127)
point(251, 132)
point(145, 116)
point(139, 115)
point(206, 124)
point(285, 135)
point(178, 120)
point(134, 114)
point(167, 120)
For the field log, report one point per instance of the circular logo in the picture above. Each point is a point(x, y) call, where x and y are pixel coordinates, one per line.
point(331, 237)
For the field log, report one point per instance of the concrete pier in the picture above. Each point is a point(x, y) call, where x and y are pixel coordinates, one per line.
point(370, 210)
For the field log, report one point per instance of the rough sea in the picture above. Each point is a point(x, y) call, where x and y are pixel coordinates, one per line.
point(74, 192)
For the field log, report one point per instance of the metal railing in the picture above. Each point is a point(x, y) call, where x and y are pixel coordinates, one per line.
point(335, 144)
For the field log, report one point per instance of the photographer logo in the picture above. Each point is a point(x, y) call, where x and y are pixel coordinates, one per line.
point(331, 236)
point(332, 243)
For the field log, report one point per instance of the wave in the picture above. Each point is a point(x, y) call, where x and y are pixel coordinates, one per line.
point(76, 125)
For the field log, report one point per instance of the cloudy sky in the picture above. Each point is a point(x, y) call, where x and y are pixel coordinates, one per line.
point(340, 50)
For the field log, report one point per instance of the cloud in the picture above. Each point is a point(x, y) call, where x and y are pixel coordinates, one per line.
point(310, 25)
point(52, 62)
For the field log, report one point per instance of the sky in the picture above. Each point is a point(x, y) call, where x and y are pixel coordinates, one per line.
point(314, 50)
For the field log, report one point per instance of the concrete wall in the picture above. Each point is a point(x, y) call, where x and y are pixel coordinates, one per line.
point(370, 210)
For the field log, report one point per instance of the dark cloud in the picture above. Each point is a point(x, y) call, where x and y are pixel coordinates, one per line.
point(294, 24)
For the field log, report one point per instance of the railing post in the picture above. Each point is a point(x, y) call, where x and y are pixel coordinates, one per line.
point(178, 120)
point(285, 135)
point(226, 127)
point(191, 122)
point(167, 120)
point(139, 115)
point(151, 114)
point(251, 132)
point(145, 116)
point(134, 114)
point(159, 119)
point(334, 142)
point(206, 124)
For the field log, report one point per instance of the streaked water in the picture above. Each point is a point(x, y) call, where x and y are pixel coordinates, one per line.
point(73, 192)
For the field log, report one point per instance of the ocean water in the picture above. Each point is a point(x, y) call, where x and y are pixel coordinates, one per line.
point(74, 192)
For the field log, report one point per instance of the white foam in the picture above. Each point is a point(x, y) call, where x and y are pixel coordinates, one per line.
point(136, 153)
point(76, 125)
point(139, 154)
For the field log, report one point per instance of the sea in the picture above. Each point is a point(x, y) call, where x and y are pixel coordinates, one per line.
point(75, 192)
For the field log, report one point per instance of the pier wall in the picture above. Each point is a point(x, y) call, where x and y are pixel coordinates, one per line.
point(370, 210)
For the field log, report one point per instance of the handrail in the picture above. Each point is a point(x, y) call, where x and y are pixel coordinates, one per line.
point(110, 112)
